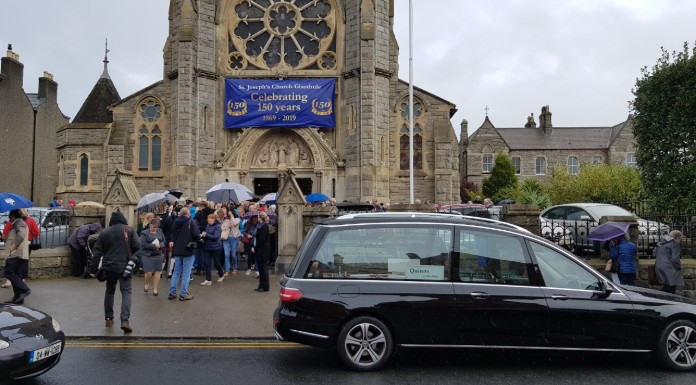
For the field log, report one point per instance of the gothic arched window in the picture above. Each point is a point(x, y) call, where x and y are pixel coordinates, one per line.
point(404, 132)
point(84, 170)
point(149, 137)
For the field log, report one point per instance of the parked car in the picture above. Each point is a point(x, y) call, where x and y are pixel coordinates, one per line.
point(367, 284)
point(54, 224)
point(31, 342)
point(570, 225)
point(471, 209)
point(354, 208)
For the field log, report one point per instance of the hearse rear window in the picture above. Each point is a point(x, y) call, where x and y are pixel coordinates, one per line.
point(403, 253)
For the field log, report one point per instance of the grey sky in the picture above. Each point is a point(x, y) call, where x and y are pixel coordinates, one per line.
point(581, 57)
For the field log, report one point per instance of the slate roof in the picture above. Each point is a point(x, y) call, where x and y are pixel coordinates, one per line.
point(35, 100)
point(562, 138)
point(95, 108)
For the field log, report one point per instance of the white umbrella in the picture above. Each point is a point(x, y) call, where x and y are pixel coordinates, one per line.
point(229, 192)
point(269, 198)
point(152, 199)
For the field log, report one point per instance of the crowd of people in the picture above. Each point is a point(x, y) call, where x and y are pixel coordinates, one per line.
point(187, 240)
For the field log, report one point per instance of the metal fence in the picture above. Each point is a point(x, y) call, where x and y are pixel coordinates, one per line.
point(54, 227)
point(673, 219)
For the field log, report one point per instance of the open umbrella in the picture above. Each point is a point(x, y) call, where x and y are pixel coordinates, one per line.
point(10, 201)
point(269, 199)
point(316, 197)
point(175, 192)
point(609, 230)
point(229, 192)
point(152, 199)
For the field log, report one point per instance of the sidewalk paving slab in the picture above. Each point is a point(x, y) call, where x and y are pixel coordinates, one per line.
point(231, 309)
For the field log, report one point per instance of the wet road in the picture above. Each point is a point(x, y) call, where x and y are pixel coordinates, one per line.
point(270, 362)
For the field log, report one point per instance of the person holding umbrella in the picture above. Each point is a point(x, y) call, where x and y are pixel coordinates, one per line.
point(625, 254)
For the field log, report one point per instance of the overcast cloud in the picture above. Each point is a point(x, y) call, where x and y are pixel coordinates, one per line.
point(581, 57)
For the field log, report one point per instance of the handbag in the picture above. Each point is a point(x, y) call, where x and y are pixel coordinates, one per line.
point(225, 234)
point(246, 240)
point(652, 277)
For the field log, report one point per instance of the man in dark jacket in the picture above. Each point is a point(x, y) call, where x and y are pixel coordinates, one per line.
point(78, 245)
point(167, 228)
point(185, 232)
point(115, 245)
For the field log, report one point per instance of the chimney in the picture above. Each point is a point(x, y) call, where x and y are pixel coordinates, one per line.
point(530, 121)
point(464, 132)
point(48, 88)
point(12, 68)
point(545, 120)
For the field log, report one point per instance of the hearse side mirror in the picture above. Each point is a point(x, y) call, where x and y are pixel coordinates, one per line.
point(605, 289)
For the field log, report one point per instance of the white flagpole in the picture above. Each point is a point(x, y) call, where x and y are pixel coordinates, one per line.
point(410, 97)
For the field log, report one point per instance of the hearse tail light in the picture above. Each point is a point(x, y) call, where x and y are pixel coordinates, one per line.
point(290, 295)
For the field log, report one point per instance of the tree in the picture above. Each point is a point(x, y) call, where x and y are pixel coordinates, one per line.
point(502, 176)
point(468, 190)
point(664, 125)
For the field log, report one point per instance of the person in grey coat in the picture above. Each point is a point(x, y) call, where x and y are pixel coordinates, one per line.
point(667, 262)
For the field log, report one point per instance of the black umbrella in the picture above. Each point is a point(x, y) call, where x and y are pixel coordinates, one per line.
point(176, 192)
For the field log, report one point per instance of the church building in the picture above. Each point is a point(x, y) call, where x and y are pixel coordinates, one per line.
point(253, 89)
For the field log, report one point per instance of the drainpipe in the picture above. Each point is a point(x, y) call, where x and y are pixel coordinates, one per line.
point(33, 157)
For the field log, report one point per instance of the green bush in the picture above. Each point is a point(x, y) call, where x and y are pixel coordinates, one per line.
point(598, 183)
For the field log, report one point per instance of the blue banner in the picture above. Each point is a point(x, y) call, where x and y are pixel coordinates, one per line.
point(279, 103)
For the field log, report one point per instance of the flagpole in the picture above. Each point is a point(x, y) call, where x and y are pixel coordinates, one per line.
point(410, 98)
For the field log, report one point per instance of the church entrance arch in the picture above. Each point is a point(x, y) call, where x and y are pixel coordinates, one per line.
point(276, 151)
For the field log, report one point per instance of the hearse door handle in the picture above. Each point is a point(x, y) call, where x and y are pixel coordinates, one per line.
point(479, 295)
point(559, 296)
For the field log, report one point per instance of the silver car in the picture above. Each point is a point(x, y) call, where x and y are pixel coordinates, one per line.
point(570, 224)
point(54, 223)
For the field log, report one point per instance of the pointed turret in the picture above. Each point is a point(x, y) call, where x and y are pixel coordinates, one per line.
point(95, 109)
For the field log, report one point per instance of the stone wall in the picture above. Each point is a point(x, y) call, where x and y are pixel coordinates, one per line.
point(50, 263)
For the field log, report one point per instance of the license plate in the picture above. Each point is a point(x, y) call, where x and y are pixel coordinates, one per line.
point(40, 354)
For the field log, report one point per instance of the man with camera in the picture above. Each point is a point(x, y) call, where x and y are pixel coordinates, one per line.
point(184, 241)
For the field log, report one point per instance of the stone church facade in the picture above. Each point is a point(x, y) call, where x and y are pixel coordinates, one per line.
point(171, 134)
point(535, 151)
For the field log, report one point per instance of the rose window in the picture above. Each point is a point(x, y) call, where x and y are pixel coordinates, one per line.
point(283, 34)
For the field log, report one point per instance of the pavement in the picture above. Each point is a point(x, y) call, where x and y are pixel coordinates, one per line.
point(229, 310)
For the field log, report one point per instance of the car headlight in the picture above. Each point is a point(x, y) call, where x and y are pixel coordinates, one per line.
point(56, 325)
point(4, 344)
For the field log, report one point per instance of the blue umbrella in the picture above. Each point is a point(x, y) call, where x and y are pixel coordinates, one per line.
point(316, 197)
point(229, 192)
point(269, 199)
point(609, 230)
point(11, 201)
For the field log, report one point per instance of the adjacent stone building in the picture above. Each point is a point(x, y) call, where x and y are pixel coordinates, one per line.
point(28, 125)
point(535, 151)
point(172, 133)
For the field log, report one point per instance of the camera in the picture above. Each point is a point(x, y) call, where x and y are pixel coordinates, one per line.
point(193, 245)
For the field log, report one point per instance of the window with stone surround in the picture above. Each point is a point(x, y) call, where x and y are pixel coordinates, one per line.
point(631, 159)
point(270, 35)
point(149, 136)
point(487, 166)
point(84, 170)
point(597, 159)
point(517, 162)
point(573, 165)
point(404, 133)
point(540, 167)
